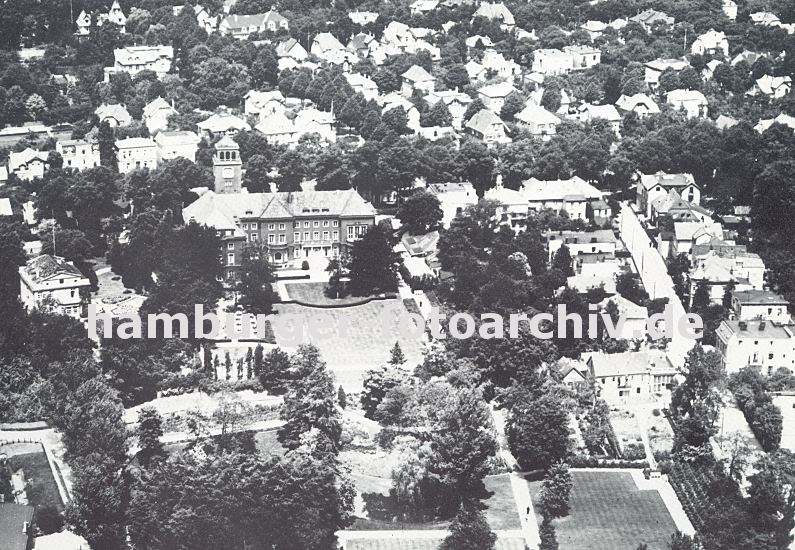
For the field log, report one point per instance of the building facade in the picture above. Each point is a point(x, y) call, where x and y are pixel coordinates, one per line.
point(50, 283)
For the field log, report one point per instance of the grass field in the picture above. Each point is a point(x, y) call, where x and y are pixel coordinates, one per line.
point(41, 489)
point(352, 339)
point(608, 511)
point(314, 293)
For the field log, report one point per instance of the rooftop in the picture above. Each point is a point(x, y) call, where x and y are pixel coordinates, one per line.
point(759, 297)
point(628, 363)
point(767, 330)
point(12, 519)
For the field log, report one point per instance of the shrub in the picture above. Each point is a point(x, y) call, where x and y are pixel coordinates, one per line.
point(656, 412)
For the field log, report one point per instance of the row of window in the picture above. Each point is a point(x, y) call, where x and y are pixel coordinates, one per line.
point(307, 235)
point(296, 225)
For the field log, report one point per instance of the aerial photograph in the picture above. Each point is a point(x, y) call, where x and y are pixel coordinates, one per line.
point(397, 275)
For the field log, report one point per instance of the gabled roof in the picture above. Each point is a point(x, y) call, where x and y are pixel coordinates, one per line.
point(46, 266)
point(783, 118)
point(5, 207)
point(663, 64)
point(222, 122)
point(15, 160)
point(627, 363)
point(631, 102)
point(536, 114)
point(606, 112)
point(501, 89)
point(686, 95)
point(235, 22)
point(650, 16)
point(115, 111)
point(284, 47)
point(667, 181)
point(157, 104)
point(140, 55)
point(768, 85)
point(415, 73)
point(483, 120)
point(497, 11)
point(276, 124)
point(327, 41)
point(134, 142)
point(176, 137)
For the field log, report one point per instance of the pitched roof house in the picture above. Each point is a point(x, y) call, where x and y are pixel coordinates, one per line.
point(241, 26)
point(488, 127)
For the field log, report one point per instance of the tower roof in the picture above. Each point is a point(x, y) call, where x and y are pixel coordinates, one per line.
point(226, 142)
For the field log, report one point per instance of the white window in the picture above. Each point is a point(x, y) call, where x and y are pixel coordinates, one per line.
point(296, 224)
point(282, 238)
point(335, 235)
point(271, 226)
point(253, 237)
point(335, 223)
point(316, 235)
point(306, 224)
point(325, 235)
point(271, 239)
point(281, 226)
point(297, 237)
point(325, 223)
point(230, 246)
point(254, 225)
point(315, 223)
point(245, 226)
point(230, 259)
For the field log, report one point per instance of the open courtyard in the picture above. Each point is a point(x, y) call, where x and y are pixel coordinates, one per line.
point(608, 510)
point(354, 339)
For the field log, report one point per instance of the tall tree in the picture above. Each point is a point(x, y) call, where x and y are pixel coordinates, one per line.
point(469, 531)
point(107, 146)
point(149, 432)
point(256, 279)
point(373, 266)
point(538, 431)
point(420, 213)
point(555, 491)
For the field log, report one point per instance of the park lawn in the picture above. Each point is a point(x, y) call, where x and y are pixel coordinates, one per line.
point(609, 511)
point(354, 339)
point(40, 487)
point(315, 293)
point(500, 507)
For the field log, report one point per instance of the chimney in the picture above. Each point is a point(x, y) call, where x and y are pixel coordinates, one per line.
point(762, 325)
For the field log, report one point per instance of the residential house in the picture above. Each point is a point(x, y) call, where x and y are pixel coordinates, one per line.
point(760, 344)
point(478, 42)
point(435, 133)
point(747, 56)
point(760, 304)
point(315, 121)
point(16, 525)
point(476, 71)
point(632, 376)
point(420, 7)
point(651, 18)
point(594, 28)
point(115, 16)
point(279, 129)
point(241, 26)
point(503, 68)
point(497, 12)
point(651, 186)
point(262, 104)
point(634, 316)
point(765, 18)
point(394, 100)
point(363, 85)
point(783, 119)
point(177, 144)
point(291, 49)
point(692, 102)
point(156, 114)
point(552, 62)
point(640, 104)
point(28, 164)
point(454, 198)
point(512, 208)
point(493, 96)
point(134, 59)
point(774, 87)
point(724, 122)
point(399, 35)
point(717, 270)
point(222, 122)
point(588, 112)
point(294, 226)
point(457, 103)
point(328, 48)
point(574, 195)
point(362, 44)
point(363, 18)
point(417, 79)
point(674, 207)
point(729, 9)
point(135, 153)
point(600, 241)
point(115, 114)
point(711, 42)
point(5, 208)
point(538, 121)
point(78, 153)
point(657, 67)
point(687, 235)
point(52, 284)
point(583, 57)
point(487, 127)
point(708, 72)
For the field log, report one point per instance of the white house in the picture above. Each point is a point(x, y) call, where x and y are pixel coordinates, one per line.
point(457, 103)
point(363, 85)
point(363, 17)
point(692, 102)
point(652, 186)
point(241, 26)
point(487, 127)
point(763, 345)
point(631, 376)
point(782, 118)
point(583, 57)
point(394, 100)
point(760, 304)
point(156, 114)
point(27, 164)
point(222, 122)
point(498, 12)
point(134, 59)
point(538, 121)
point(774, 87)
point(78, 153)
point(504, 68)
point(327, 47)
point(655, 68)
point(552, 62)
point(729, 9)
point(114, 16)
point(261, 104)
point(493, 96)
point(588, 113)
point(711, 42)
point(175, 144)
point(512, 208)
point(574, 195)
point(454, 198)
point(635, 317)
point(417, 79)
point(291, 49)
point(476, 71)
point(278, 129)
point(115, 114)
point(134, 153)
point(52, 284)
point(640, 104)
point(420, 7)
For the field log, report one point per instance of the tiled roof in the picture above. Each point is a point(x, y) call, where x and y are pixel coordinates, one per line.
point(536, 114)
point(417, 74)
point(502, 89)
point(666, 180)
point(45, 266)
point(541, 190)
point(759, 297)
point(12, 518)
point(627, 363)
point(482, 120)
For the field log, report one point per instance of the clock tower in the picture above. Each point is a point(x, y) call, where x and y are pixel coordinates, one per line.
point(227, 166)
